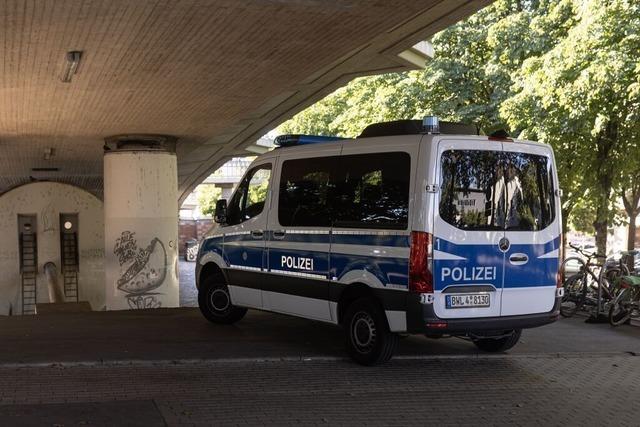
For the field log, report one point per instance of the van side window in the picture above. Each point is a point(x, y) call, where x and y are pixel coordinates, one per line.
point(374, 191)
point(306, 188)
point(250, 196)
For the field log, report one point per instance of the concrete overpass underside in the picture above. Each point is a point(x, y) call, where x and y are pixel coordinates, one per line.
point(215, 74)
point(211, 76)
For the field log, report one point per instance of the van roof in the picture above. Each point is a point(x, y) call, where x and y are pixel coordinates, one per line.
point(386, 141)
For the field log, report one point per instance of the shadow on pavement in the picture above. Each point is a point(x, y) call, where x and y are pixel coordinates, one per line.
point(173, 334)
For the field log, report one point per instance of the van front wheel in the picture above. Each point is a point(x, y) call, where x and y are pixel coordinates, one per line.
point(494, 345)
point(215, 303)
point(369, 340)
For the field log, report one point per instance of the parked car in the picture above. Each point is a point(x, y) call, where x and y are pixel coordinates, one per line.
point(191, 250)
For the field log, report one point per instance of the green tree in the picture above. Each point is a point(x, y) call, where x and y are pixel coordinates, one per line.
point(258, 193)
point(563, 72)
point(628, 187)
point(208, 195)
point(348, 110)
point(578, 97)
point(469, 77)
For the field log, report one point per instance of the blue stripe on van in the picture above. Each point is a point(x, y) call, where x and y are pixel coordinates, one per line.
point(485, 264)
point(212, 244)
point(393, 271)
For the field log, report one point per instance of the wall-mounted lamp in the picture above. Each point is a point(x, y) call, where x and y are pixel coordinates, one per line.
point(72, 61)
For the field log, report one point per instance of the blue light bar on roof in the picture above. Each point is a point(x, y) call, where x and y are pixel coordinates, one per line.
point(291, 140)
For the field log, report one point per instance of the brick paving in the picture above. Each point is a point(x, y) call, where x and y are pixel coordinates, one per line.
point(568, 373)
point(443, 391)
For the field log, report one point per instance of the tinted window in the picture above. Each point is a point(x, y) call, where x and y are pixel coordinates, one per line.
point(490, 190)
point(250, 196)
point(373, 191)
point(306, 188)
point(529, 192)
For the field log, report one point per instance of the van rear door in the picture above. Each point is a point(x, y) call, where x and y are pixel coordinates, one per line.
point(468, 262)
point(532, 230)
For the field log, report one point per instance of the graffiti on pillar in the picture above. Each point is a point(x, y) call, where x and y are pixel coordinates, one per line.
point(141, 270)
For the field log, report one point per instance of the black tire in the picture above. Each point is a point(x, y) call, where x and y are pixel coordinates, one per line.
point(494, 345)
point(368, 338)
point(215, 302)
point(575, 294)
point(619, 312)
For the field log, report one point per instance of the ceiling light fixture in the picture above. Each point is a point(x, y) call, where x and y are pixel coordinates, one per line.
point(45, 169)
point(72, 61)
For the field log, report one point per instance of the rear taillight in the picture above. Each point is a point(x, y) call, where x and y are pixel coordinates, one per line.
point(560, 275)
point(420, 277)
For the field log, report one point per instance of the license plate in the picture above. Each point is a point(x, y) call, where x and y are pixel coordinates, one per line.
point(467, 300)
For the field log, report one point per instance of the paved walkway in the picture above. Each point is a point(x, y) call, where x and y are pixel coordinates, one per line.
point(188, 291)
point(585, 391)
point(172, 367)
point(176, 334)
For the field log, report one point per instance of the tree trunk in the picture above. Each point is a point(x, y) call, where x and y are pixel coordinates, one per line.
point(631, 237)
point(604, 172)
point(632, 209)
point(601, 236)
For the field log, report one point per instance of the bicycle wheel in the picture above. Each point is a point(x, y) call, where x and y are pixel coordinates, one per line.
point(575, 293)
point(608, 280)
point(620, 311)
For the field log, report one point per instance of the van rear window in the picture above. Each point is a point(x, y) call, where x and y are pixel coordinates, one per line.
point(493, 190)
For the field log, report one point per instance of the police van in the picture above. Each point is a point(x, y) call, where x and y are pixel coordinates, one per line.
point(411, 228)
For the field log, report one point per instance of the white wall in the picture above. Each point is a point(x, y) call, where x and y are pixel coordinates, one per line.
point(141, 229)
point(47, 200)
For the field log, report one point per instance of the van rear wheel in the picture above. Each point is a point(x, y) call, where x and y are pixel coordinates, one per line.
point(215, 303)
point(368, 338)
point(494, 345)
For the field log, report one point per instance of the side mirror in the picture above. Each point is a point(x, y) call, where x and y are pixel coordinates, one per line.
point(220, 215)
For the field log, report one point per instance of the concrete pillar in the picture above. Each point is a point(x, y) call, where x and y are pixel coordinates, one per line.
point(141, 229)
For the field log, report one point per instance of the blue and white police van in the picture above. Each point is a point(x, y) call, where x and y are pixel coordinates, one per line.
point(414, 227)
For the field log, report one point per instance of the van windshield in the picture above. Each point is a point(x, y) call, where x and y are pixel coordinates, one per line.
point(494, 190)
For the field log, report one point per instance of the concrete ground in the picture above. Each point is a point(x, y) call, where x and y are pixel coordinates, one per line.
point(188, 291)
point(171, 367)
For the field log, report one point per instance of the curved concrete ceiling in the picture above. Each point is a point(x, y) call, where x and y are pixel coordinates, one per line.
point(216, 74)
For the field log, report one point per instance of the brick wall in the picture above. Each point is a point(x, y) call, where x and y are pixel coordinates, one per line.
point(192, 229)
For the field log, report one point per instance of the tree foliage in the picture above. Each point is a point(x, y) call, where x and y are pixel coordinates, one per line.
point(208, 195)
point(564, 72)
point(578, 96)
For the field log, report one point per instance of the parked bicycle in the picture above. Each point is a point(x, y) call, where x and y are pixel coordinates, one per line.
point(593, 285)
point(626, 304)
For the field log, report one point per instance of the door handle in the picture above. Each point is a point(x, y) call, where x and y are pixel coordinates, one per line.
point(257, 234)
point(518, 259)
point(279, 234)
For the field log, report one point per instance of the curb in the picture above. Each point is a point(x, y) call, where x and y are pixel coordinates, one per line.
point(303, 359)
